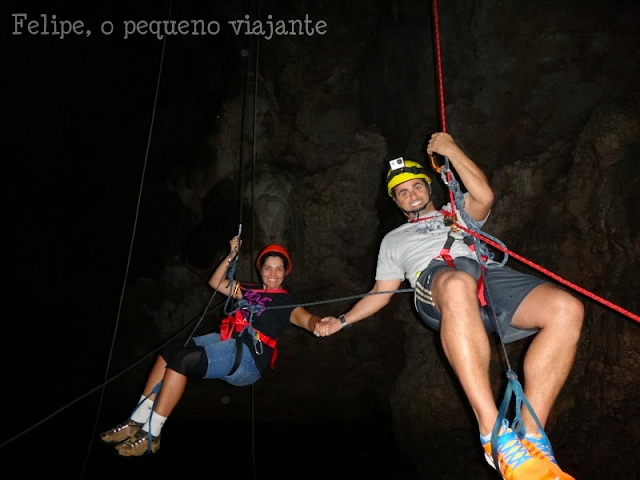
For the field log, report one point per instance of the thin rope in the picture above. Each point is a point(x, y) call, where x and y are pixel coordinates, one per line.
point(439, 75)
point(341, 299)
point(483, 255)
point(609, 304)
point(513, 385)
point(105, 383)
point(456, 198)
point(241, 155)
point(146, 356)
point(253, 173)
point(137, 362)
point(514, 389)
point(443, 123)
point(559, 279)
point(133, 236)
point(231, 270)
point(253, 142)
point(497, 325)
point(207, 311)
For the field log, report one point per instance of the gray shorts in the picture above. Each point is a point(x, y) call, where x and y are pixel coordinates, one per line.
point(505, 290)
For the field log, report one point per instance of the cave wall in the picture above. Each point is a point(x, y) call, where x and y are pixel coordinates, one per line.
point(543, 96)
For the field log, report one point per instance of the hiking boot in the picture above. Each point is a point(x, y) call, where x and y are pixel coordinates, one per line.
point(121, 432)
point(539, 447)
point(515, 461)
point(138, 445)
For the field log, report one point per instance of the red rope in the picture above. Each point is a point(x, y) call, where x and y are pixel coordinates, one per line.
point(627, 313)
point(443, 123)
point(436, 39)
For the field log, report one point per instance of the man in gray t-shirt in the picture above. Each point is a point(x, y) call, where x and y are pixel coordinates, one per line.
point(450, 286)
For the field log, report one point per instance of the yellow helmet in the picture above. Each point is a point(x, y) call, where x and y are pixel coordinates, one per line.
point(402, 170)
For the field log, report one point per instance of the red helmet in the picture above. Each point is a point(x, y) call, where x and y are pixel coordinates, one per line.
point(280, 251)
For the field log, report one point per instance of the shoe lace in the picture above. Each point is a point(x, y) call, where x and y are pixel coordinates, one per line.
point(511, 453)
point(139, 437)
point(120, 427)
point(127, 424)
point(539, 447)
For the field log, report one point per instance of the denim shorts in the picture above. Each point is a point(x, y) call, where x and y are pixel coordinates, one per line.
point(221, 355)
point(505, 289)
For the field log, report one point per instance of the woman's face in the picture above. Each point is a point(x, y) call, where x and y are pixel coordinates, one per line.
point(272, 272)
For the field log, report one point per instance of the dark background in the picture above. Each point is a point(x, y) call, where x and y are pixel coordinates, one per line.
point(88, 151)
point(96, 128)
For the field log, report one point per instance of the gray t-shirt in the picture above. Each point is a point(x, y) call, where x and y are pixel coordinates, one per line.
point(408, 249)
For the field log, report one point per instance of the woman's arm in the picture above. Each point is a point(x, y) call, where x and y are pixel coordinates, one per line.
point(218, 280)
point(304, 319)
point(379, 296)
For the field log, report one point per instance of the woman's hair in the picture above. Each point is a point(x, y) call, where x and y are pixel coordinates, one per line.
point(263, 259)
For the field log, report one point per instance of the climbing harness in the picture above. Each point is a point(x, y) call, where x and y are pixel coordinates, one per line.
point(513, 388)
point(236, 325)
point(456, 200)
point(514, 391)
point(445, 255)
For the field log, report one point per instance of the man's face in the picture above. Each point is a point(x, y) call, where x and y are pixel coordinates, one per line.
point(412, 195)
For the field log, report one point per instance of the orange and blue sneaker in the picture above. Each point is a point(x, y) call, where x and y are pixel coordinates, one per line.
point(515, 461)
point(539, 447)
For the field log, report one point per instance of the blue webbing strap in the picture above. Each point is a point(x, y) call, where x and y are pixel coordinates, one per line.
point(514, 388)
point(155, 390)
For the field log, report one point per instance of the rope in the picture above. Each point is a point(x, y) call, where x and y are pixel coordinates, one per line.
point(456, 200)
point(102, 385)
point(513, 386)
point(133, 235)
point(439, 77)
point(241, 189)
point(449, 178)
point(627, 313)
point(352, 297)
point(559, 279)
point(513, 389)
point(209, 310)
point(254, 133)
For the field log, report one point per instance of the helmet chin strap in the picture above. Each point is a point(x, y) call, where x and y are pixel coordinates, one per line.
point(415, 213)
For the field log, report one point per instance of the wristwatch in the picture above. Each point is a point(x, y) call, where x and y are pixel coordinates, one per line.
point(343, 322)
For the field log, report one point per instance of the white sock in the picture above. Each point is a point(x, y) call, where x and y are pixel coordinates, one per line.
point(141, 414)
point(485, 438)
point(154, 424)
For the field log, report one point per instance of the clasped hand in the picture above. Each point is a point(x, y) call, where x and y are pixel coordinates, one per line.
point(327, 326)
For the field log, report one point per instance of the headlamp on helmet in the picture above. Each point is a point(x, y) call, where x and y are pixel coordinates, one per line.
point(403, 170)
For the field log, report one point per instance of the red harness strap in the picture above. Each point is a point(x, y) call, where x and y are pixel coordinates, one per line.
point(444, 254)
point(236, 323)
